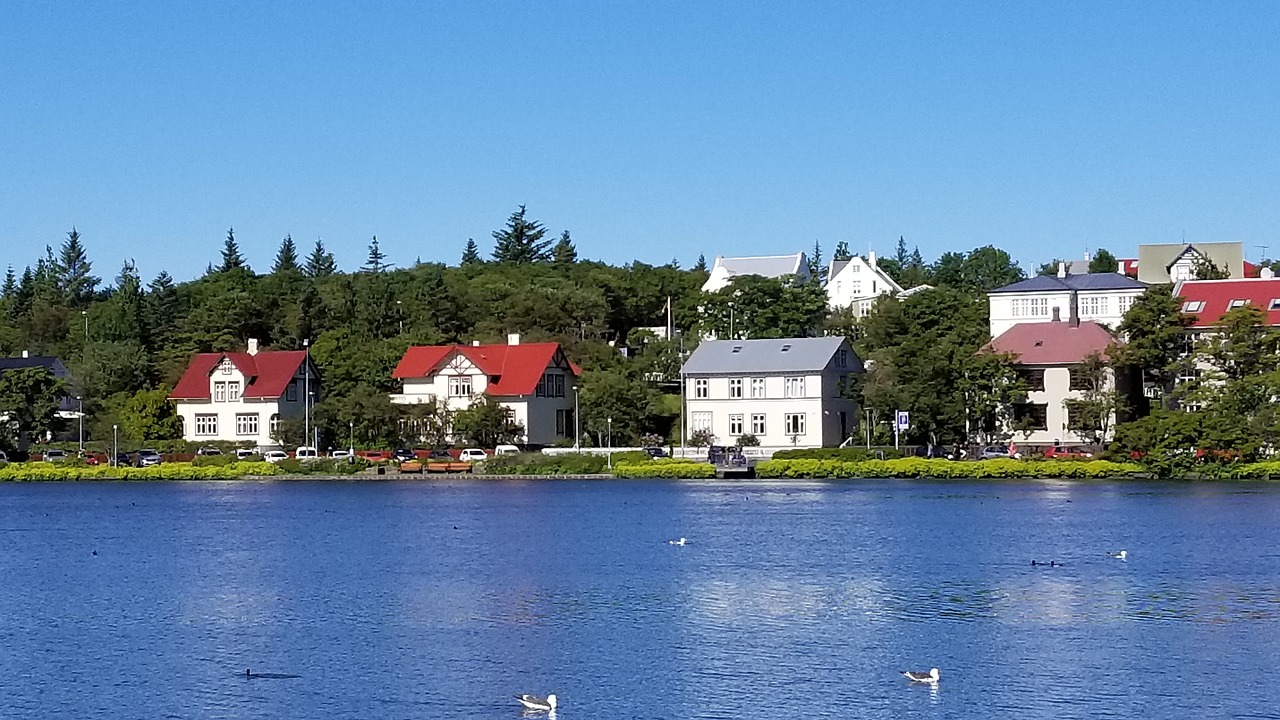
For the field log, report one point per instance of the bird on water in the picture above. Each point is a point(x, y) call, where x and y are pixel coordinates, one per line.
point(533, 702)
point(922, 677)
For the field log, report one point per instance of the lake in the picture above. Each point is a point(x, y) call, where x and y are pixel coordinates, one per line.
point(443, 599)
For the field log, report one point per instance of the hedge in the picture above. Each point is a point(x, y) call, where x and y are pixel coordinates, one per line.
point(941, 468)
point(540, 464)
point(43, 471)
point(666, 468)
point(849, 454)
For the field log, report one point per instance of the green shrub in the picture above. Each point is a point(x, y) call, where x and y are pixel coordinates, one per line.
point(849, 454)
point(42, 471)
point(631, 457)
point(679, 470)
point(913, 467)
point(213, 460)
point(540, 464)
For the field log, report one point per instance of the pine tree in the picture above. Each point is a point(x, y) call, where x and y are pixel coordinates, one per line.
point(815, 260)
point(10, 288)
point(842, 252)
point(701, 265)
point(287, 258)
point(377, 260)
point(320, 262)
point(160, 309)
point(471, 253)
point(521, 241)
point(231, 257)
point(72, 270)
point(564, 253)
point(901, 255)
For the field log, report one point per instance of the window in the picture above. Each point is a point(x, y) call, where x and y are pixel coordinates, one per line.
point(220, 392)
point(541, 390)
point(736, 349)
point(233, 391)
point(557, 387)
point(550, 385)
point(564, 423)
point(735, 387)
point(1237, 304)
point(1124, 304)
point(757, 424)
point(757, 387)
point(1275, 304)
point(1033, 379)
point(794, 387)
point(1094, 306)
point(701, 421)
point(1080, 379)
point(1082, 418)
point(291, 392)
point(735, 425)
point(700, 388)
point(246, 424)
point(856, 288)
point(1193, 306)
point(842, 358)
point(1032, 415)
point(226, 368)
point(275, 425)
point(206, 425)
point(1030, 307)
point(460, 386)
point(794, 423)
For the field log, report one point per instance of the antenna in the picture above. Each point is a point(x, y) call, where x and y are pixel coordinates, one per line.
point(1264, 257)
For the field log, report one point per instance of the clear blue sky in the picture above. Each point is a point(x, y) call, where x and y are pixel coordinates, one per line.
point(651, 131)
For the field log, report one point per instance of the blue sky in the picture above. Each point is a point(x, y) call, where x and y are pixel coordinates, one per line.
point(651, 131)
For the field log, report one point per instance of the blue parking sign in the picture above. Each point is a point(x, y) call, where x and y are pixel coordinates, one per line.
point(904, 419)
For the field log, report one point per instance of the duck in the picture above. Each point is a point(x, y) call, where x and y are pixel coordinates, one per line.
point(1121, 555)
point(678, 541)
point(533, 702)
point(922, 677)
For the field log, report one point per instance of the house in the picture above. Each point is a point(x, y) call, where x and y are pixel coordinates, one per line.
point(787, 392)
point(1097, 297)
point(68, 408)
point(1174, 262)
point(242, 396)
point(1050, 358)
point(534, 380)
point(726, 269)
point(1209, 300)
point(857, 283)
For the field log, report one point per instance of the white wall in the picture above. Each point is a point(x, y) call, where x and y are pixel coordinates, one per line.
point(226, 411)
point(820, 407)
point(1104, 306)
point(1057, 390)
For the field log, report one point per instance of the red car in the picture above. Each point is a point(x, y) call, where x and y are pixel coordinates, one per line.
point(1066, 452)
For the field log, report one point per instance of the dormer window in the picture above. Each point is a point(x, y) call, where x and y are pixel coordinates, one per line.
point(737, 349)
point(1193, 306)
point(1237, 304)
point(1275, 304)
point(786, 348)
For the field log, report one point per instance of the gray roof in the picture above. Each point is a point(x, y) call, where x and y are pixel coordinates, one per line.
point(765, 266)
point(1090, 281)
point(727, 357)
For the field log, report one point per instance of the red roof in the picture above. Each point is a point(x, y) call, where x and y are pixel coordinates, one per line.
point(1209, 300)
point(1128, 266)
point(518, 368)
point(268, 373)
point(1053, 343)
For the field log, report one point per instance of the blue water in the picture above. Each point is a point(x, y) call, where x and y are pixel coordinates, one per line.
point(801, 600)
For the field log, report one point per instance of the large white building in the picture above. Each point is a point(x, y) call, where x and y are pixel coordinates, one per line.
point(786, 392)
point(857, 283)
point(533, 380)
point(1097, 297)
point(726, 269)
point(241, 396)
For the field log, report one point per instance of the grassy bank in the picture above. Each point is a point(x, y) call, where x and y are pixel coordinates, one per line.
point(938, 468)
point(43, 471)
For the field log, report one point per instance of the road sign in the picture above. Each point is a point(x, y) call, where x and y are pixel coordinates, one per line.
point(904, 419)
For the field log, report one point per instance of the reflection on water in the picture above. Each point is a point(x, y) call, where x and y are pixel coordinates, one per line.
point(443, 600)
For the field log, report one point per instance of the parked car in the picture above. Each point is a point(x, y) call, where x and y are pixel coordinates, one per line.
point(242, 453)
point(54, 455)
point(208, 451)
point(94, 459)
point(123, 459)
point(403, 455)
point(341, 455)
point(374, 456)
point(3, 457)
point(657, 452)
point(992, 452)
point(148, 457)
point(275, 456)
point(1065, 452)
point(506, 450)
point(473, 455)
point(306, 453)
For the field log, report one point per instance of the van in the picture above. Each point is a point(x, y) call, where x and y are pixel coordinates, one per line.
point(306, 453)
point(506, 450)
point(473, 455)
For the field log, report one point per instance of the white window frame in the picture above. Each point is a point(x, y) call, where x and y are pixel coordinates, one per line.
point(735, 388)
point(247, 424)
point(233, 392)
point(794, 423)
point(206, 424)
point(758, 388)
point(793, 387)
point(220, 391)
point(735, 425)
point(701, 389)
point(758, 425)
point(701, 420)
point(460, 386)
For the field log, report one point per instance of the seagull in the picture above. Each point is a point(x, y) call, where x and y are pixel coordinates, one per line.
point(533, 702)
point(679, 541)
point(1122, 555)
point(922, 677)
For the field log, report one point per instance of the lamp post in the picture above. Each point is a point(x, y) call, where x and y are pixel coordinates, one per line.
point(577, 421)
point(610, 455)
point(85, 314)
point(351, 451)
point(80, 412)
point(730, 321)
point(400, 315)
point(306, 389)
point(115, 445)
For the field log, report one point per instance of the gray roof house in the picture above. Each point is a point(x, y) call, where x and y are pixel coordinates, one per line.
point(67, 406)
point(786, 392)
point(769, 266)
point(1166, 263)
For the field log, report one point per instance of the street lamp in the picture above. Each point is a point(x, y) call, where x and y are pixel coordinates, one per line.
point(115, 446)
point(352, 449)
point(306, 389)
point(610, 455)
point(577, 421)
point(85, 314)
point(400, 315)
point(80, 412)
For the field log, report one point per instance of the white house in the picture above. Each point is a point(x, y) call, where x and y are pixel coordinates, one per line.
point(726, 269)
point(534, 380)
point(1098, 297)
point(857, 282)
point(1049, 359)
point(241, 396)
point(1175, 262)
point(786, 392)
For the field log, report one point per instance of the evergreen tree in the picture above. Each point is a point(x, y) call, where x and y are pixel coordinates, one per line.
point(1049, 269)
point(287, 258)
point(521, 240)
point(377, 260)
point(815, 260)
point(320, 262)
point(901, 254)
point(1104, 262)
point(160, 310)
point(701, 265)
point(231, 257)
point(842, 252)
point(10, 288)
point(72, 270)
point(564, 253)
point(471, 253)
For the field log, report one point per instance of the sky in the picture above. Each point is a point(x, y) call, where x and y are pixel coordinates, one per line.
point(651, 131)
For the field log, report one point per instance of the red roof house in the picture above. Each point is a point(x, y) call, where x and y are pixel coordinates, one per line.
point(1053, 343)
point(1209, 300)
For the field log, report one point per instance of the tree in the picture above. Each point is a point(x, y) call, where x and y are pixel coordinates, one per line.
point(1093, 414)
point(701, 265)
point(520, 242)
point(751, 306)
point(365, 411)
point(471, 253)
point(1049, 269)
point(150, 415)
point(30, 398)
point(1156, 342)
point(10, 288)
point(72, 268)
point(1204, 269)
point(842, 252)
point(487, 423)
point(620, 394)
point(1103, 262)
point(231, 257)
point(564, 253)
point(377, 260)
point(320, 263)
point(287, 259)
point(815, 261)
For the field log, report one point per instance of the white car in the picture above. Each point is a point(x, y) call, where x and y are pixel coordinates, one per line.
point(275, 456)
point(242, 453)
point(340, 455)
point(306, 453)
point(473, 455)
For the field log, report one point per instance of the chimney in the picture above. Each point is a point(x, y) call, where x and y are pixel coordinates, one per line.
point(871, 258)
point(1062, 269)
point(253, 346)
point(1074, 319)
point(26, 354)
point(475, 343)
point(1057, 314)
point(513, 338)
